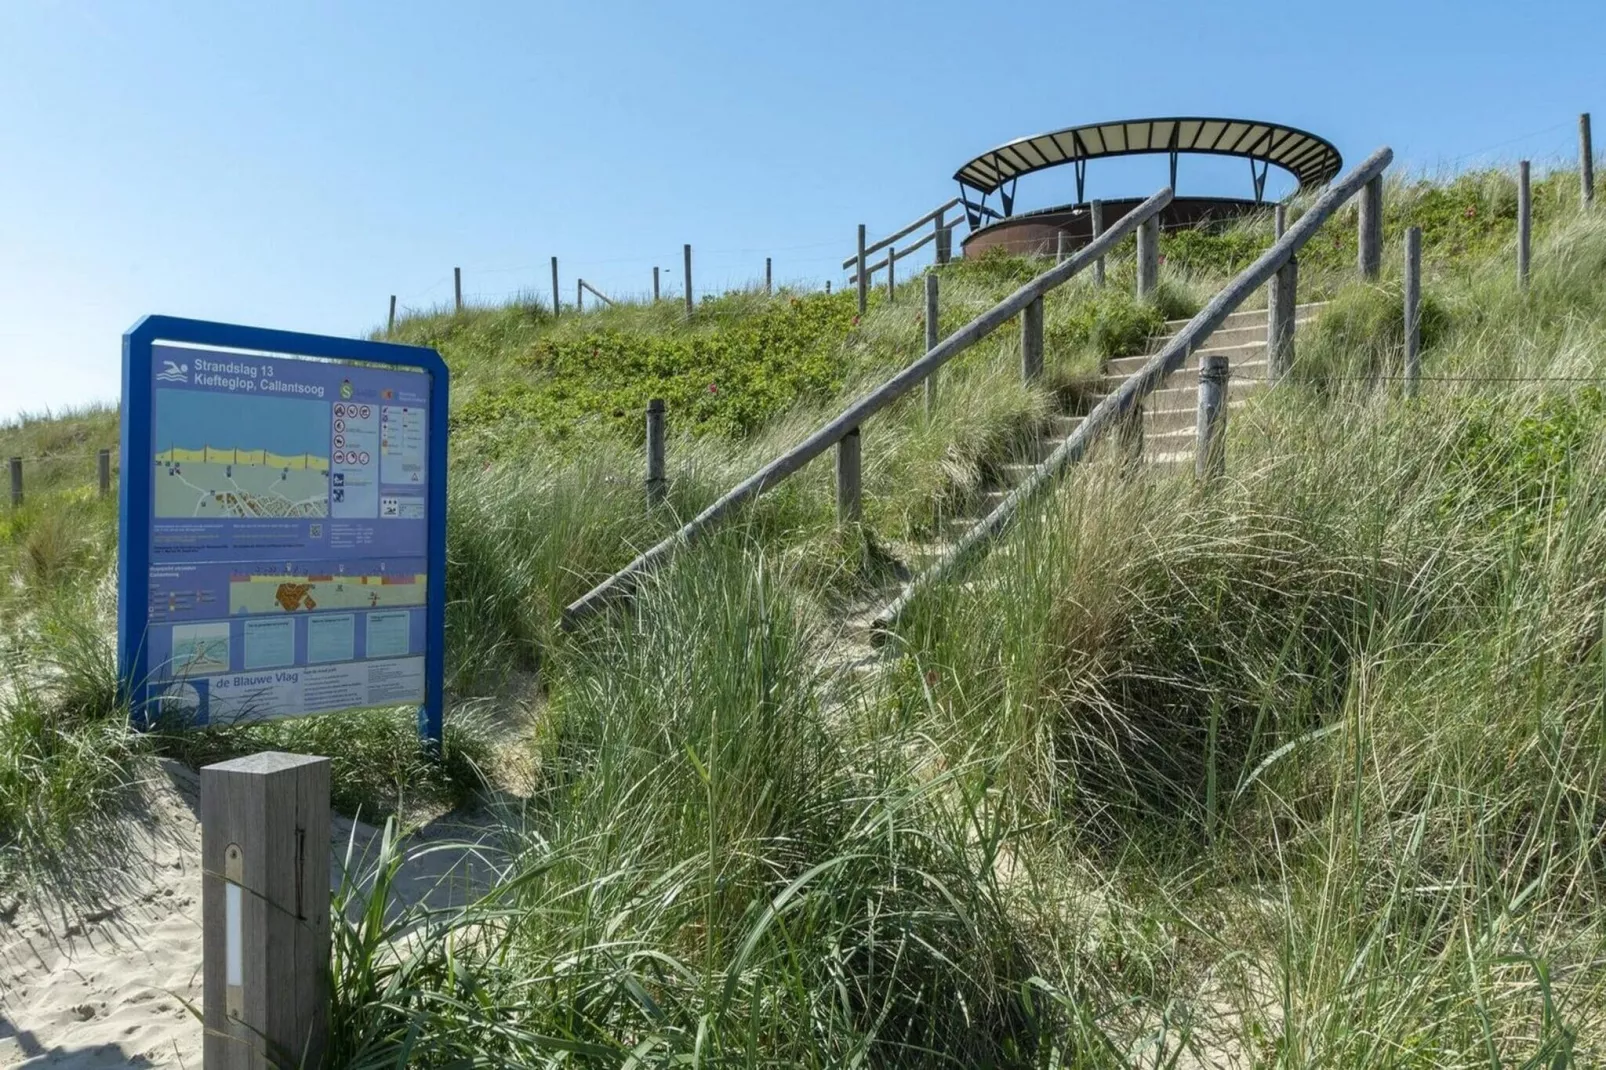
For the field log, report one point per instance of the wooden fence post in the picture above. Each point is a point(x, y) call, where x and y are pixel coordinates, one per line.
point(1586, 163)
point(656, 481)
point(1096, 210)
point(1524, 223)
point(1282, 297)
point(1148, 257)
point(931, 339)
point(1059, 247)
point(103, 471)
point(769, 281)
point(892, 258)
point(1210, 456)
point(390, 324)
point(864, 278)
point(265, 911)
point(828, 287)
point(16, 481)
point(655, 286)
point(579, 295)
point(686, 255)
point(1031, 341)
point(1369, 221)
point(848, 504)
point(555, 306)
point(457, 287)
point(945, 245)
point(1279, 221)
point(1413, 311)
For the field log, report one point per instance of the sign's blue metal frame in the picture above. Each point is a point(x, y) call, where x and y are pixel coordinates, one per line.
point(135, 493)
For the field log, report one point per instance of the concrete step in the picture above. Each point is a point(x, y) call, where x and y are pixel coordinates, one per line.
point(1174, 417)
point(1121, 367)
point(1185, 395)
point(1249, 316)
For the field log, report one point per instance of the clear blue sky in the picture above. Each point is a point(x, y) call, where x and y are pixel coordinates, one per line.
point(292, 164)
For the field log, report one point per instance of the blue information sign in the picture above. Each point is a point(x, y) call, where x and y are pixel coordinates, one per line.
point(282, 524)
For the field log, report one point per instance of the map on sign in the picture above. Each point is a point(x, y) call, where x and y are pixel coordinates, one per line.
point(266, 457)
point(284, 556)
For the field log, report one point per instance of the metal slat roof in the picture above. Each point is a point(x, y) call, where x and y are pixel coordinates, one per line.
point(1312, 160)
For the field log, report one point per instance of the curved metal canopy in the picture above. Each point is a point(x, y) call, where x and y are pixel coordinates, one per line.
point(1312, 160)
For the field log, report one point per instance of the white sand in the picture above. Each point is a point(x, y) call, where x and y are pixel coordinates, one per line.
point(105, 982)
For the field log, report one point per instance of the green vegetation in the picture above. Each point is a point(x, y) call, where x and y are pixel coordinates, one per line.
point(1303, 769)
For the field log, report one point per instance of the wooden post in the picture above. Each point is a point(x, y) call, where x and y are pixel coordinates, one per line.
point(1031, 341)
point(1524, 223)
point(1586, 163)
point(265, 911)
point(1282, 291)
point(1096, 210)
point(555, 307)
point(16, 481)
point(945, 245)
point(656, 481)
point(579, 295)
point(769, 281)
point(892, 258)
point(828, 287)
point(686, 255)
point(931, 339)
point(390, 324)
point(1059, 247)
point(1210, 458)
point(1279, 221)
point(864, 277)
point(457, 286)
point(655, 286)
point(1129, 436)
point(848, 505)
point(1370, 223)
point(1148, 257)
point(1413, 310)
point(103, 471)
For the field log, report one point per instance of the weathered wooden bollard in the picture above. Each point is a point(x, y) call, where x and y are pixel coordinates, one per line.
point(1525, 209)
point(931, 339)
point(390, 322)
point(103, 471)
point(848, 504)
point(556, 308)
point(945, 244)
point(16, 481)
point(1148, 257)
point(657, 482)
point(1413, 310)
point(892, 258)
point(769, 278)
point(1031, 342)
point(1586, 163)
point(686, 253)
point(1096, 211)
point(655, 286)
point(265, 911)
point(864, 276)
point(1369, 224)
point(1210, 457)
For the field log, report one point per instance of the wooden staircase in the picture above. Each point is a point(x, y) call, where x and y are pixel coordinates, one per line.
point(1170, 413)
point(1170, 418)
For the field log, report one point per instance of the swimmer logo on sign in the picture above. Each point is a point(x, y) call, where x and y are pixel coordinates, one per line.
point(282, 550)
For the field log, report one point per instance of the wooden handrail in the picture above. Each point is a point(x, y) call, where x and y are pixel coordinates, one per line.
point(868, 405)
point(1143, 381)
point(898, 254)
point(941, 209)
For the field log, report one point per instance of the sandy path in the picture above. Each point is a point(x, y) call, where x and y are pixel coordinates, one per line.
point(104, 982)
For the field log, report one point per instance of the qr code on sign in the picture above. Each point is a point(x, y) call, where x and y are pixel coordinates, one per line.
point(314, 531)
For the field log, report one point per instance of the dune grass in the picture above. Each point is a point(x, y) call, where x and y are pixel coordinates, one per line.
point(1305, 768)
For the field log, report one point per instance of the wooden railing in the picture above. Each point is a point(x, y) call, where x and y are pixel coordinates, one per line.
point(941, 233)
point(843, 431)
point(1276, 263)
